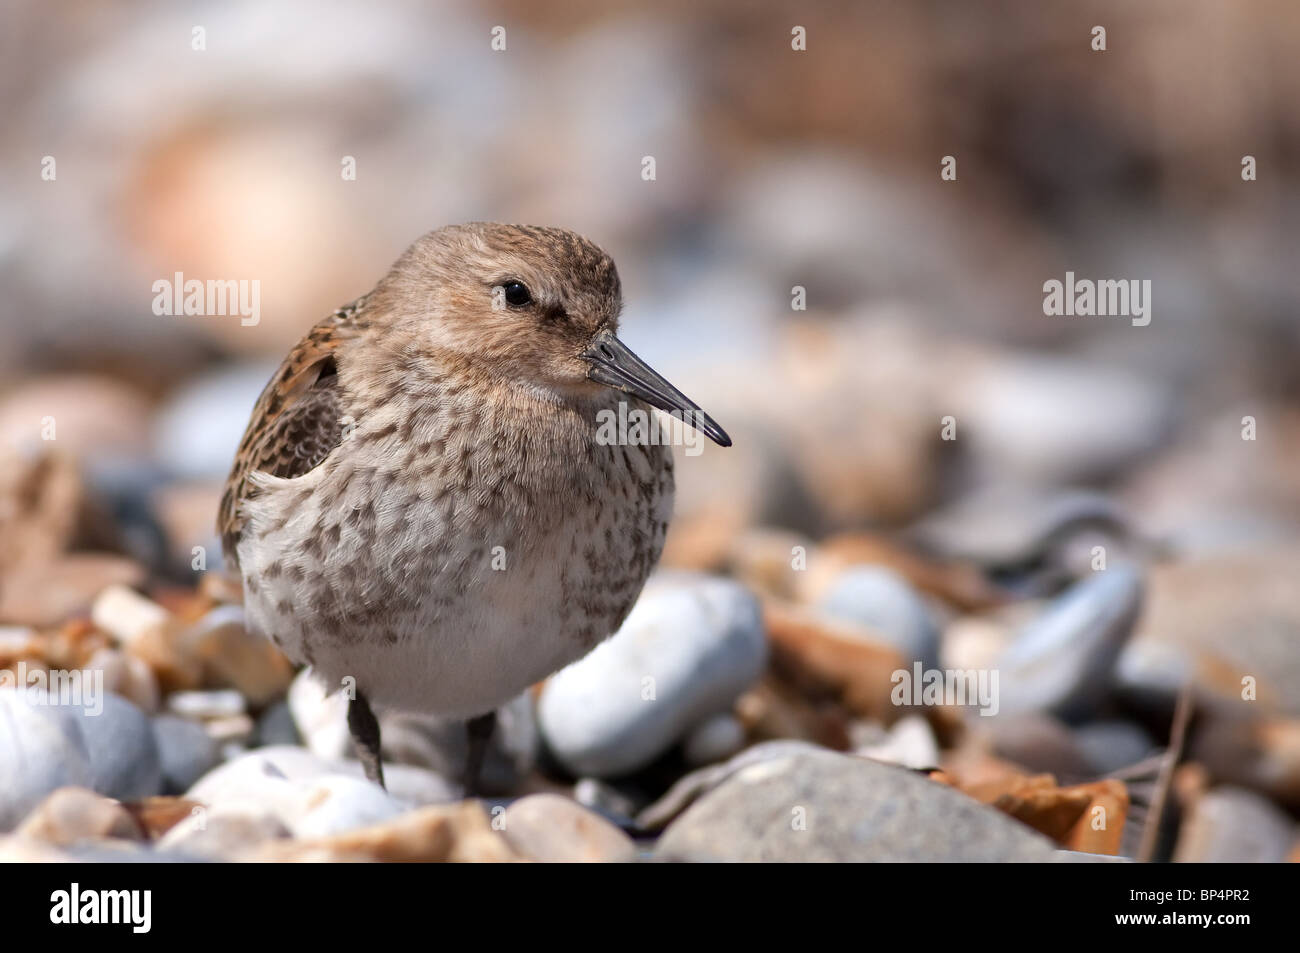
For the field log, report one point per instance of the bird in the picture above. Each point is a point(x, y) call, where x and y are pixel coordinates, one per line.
point(424, 509)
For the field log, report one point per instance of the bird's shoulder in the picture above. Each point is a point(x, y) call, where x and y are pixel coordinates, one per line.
point(297, 421)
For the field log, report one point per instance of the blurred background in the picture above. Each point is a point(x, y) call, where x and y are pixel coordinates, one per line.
point(774, 168)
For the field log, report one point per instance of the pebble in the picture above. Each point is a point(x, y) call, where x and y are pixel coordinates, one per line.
point(46, 594)
point(1181, 636)
point(453, 833)
point(203, 705)
point(688, 649)
point(883, 601)
point(553, 829)
point(124, 758)
point(1062, 661)
point(223, 832)
point(824, 806)
point(690, 787)
point(127, 676)
point(75, 814)
point(1037, 742)
point(714, 739)
point(285, 779)
point(46, 741)
point(233, 656)
point(910, 744)
point(831, 653)
point(186, 752)
point(1111, 745)
point(1231, 825)
point(275, 726)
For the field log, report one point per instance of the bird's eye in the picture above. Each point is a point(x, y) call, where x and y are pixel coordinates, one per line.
point(516, 294)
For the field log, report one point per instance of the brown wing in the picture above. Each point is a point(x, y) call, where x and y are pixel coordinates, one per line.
point(297, 421)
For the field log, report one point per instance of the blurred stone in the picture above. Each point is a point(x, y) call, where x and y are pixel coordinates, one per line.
point(1111, 745)
point(553, 829)
point(41, 749)
point(1251, 751)
point(275, 726)
point(1190, 605)
point(147, 631)
point(408, 785)
point(223, 832)
point(317, 804)
point(157, 815)
point(881, 600)
point(45, 594)
point(223, 400)
point(831, 807)
point(1063, 660)
point(1050, 420)
point(953, 583)
point(604, 798)
point(455, 833)
point(127, 676)
point(74, 814)
point(186, 752)
point(41, 498)
point(712, 740)
point(849, 659)
point(770, 560)
point(1086, 817)
point(689, 647)
point(910, 744)
point(1006, 527)
point(91, 417)
point(205, 705)
point(1037, 742)
point(124, 762)
point(1229, 825)
point(233, 656)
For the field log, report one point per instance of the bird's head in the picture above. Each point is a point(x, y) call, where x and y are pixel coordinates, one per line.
point(537, 305)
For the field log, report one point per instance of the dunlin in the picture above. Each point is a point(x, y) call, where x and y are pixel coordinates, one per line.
point(421, 508)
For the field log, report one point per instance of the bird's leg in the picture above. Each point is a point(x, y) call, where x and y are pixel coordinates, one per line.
point(364, 727)
point(479, 731)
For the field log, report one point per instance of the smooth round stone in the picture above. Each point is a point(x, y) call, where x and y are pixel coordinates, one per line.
point(412, 786)
point(124, 760)
point(714, 739)
point(275, 726)
point(883, 601)
point(222, 833)
point(689, 648)
point(72, 814)
point(41, 749)
point(186, 752)
point(1062, 662)
point(310, 797)
point(1231, 825)
point(825, 806)
point(552, 829)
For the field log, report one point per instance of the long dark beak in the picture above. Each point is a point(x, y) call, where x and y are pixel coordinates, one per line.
point(613, 363)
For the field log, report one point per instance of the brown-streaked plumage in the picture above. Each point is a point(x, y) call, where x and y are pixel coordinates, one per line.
point(421, 502)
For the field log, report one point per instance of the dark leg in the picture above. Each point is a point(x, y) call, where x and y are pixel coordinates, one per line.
point(480, 733)
point(364, 727)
